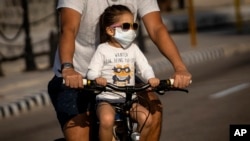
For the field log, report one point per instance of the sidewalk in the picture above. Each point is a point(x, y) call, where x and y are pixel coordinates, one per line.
point(177, 21)
point(23, 92)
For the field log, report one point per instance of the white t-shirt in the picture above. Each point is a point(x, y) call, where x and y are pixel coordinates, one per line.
point(118, 65)
point(87, 38)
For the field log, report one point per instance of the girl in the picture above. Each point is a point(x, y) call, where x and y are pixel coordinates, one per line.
point(115, 61)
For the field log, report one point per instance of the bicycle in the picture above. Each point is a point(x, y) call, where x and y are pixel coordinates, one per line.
point(125, 128)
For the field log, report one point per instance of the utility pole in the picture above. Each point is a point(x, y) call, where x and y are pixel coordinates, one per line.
point(192, 23)
point(238, 16)
point(28, 53)
point(181, 4)
point(53, 38)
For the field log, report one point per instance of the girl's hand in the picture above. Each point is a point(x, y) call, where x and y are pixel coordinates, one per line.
point(154, 82)
point(101, 81)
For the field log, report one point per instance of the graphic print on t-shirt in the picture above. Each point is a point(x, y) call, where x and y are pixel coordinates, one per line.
point(122, 75)
point(119, 67)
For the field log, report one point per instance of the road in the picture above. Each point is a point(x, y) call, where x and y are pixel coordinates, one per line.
point(187, 117)
point(203, 115)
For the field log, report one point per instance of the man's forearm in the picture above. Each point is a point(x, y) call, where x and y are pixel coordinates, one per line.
point(66, 48)
point(168, 48)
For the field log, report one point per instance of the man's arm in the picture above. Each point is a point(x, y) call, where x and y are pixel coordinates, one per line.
point(69, 20)
point(160, 36)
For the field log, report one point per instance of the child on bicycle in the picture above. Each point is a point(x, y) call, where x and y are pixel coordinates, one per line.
point(114, 62)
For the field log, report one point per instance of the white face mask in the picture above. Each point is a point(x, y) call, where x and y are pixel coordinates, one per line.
point(124, 38)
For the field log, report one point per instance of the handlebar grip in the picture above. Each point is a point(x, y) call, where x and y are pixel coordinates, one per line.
point(171, 81)
point(84, 82)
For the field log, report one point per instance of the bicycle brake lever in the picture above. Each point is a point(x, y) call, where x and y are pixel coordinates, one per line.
point(179, 89)
point(162, 92)
point(96, 89)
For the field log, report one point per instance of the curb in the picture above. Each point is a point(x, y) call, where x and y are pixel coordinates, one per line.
point(202, 55)
point(24, 105)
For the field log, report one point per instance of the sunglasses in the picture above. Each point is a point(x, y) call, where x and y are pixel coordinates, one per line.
point(118, 70)
point(126, 26)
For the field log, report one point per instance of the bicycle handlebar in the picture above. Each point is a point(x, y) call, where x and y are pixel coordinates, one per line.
point(165, 85)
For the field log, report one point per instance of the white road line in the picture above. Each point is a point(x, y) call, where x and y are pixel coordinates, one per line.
point(230, 90)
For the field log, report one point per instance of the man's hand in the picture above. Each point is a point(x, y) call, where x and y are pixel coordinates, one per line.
point(72, 78)
point(182, 79)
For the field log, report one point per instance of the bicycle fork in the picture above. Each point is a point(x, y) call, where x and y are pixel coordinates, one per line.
point(125, 129)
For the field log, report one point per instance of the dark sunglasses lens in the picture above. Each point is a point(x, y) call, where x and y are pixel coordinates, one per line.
point(125, 26)
point(135, 26)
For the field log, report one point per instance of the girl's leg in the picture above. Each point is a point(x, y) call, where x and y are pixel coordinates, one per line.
point(106, 115)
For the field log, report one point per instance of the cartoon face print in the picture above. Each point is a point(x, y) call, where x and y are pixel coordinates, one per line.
point(122, 75)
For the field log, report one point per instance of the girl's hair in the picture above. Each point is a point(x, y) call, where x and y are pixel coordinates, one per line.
point(109, 17)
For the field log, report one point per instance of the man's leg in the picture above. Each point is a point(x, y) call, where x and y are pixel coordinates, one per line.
point(156, 111)
point(77, 129)
point(152, 101)
point(71, 106)
point(144, 119)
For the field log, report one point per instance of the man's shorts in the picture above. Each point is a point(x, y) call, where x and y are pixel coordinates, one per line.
point(69, 102)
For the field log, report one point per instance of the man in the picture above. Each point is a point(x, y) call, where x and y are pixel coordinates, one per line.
point(78, 40)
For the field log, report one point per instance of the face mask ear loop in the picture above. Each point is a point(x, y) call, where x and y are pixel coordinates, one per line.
point(114, 33)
